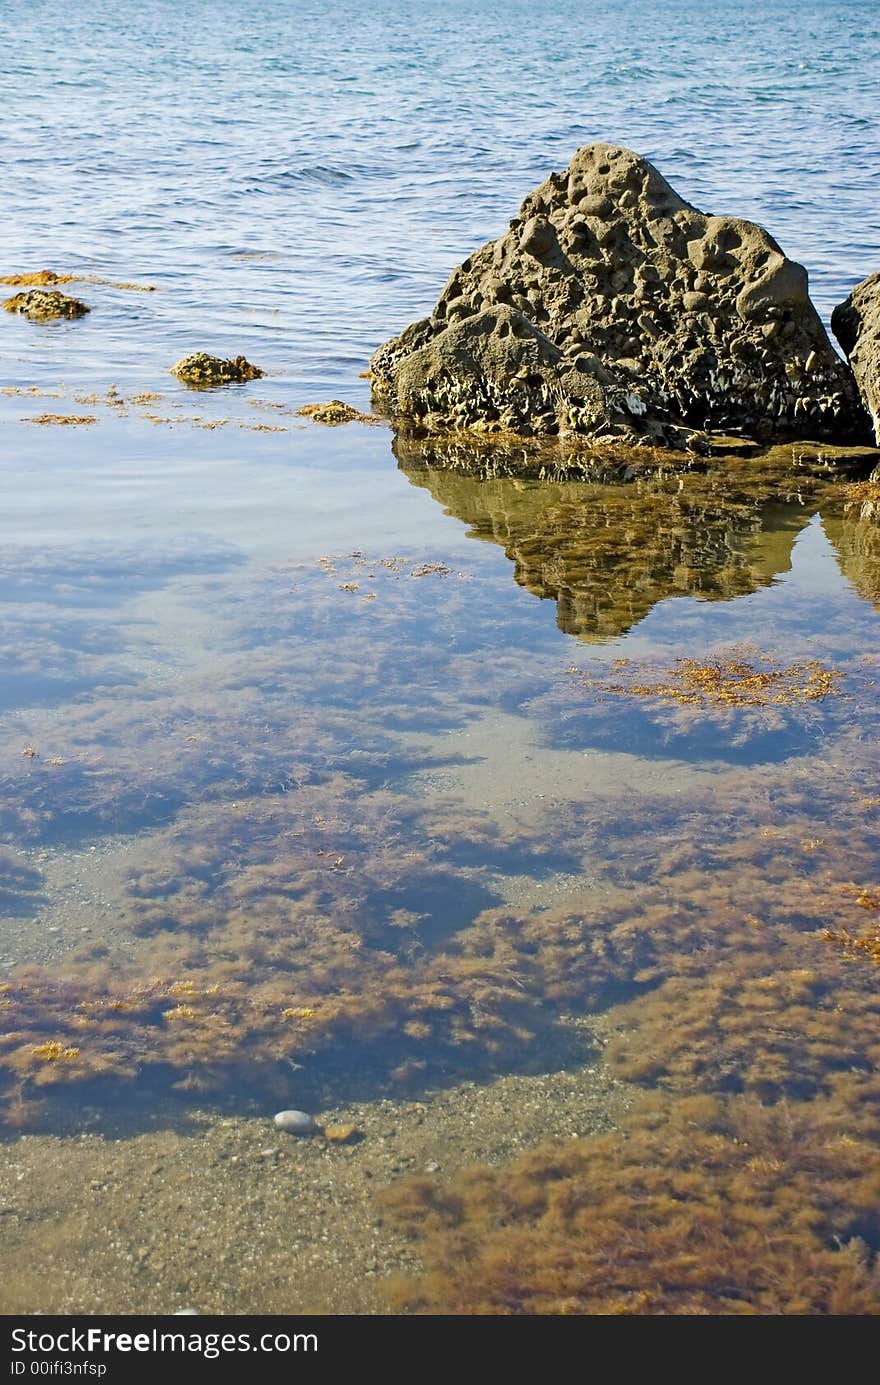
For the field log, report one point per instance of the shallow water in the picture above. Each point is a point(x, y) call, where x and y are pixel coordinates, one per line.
point(336, 774)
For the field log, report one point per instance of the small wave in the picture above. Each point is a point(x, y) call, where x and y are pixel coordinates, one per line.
point(321, 174)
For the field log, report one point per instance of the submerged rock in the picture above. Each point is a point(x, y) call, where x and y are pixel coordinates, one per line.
point(296, 1123)
point(201, 370)
point(335, 411)
point(41, 305)
point(341, 1134)
point(856, 324)
point(614, 310)
point(39, 278)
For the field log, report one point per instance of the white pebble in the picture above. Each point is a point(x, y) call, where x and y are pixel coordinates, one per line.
point(295, 1122)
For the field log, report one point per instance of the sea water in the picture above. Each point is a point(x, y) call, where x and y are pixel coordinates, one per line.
point(332, 776)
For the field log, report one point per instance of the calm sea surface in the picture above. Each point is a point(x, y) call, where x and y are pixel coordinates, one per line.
point(335, 777)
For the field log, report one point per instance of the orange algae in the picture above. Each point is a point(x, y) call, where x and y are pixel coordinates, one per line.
point(730, 680)
point(45, 278)
point(754, 1021)
point(41, 278)
point(862, 944)
point(74, 420)
point(52, 1051)
point(749, 1182)
point(864, 497)
point(747, 1179)
point(276, 945)
point(328, 915)
point(290, 928)
point(289, 951)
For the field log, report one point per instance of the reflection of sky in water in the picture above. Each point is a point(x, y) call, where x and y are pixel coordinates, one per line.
point(296, 794)
point(188, 664)
point(264, 818)
point(276, 729)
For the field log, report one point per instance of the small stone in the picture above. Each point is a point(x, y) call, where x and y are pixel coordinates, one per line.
point(595, 205)
point(340, 1134)
point(335, 411)
point(538, 237)
point(41, 305)
point(295, 1123)
point(694, 302)
point(203, 371)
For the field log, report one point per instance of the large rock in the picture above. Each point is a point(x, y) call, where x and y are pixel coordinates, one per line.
point(856, 324)
point(614, 310)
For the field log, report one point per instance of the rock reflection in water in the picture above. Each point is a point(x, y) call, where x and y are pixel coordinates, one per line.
point(319, 890)
point(607, 548)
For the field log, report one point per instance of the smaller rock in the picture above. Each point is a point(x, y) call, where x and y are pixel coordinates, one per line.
point(202, 370)
point(296, 1123)
point(41, 305)
point(856, 324)
point(341, 1134)
point(335, 411)
point(538, 238)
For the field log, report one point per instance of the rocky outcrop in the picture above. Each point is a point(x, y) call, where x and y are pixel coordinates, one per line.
point(856, 324)
point(614, 310)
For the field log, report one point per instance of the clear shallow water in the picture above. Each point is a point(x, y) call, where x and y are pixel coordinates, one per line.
point(319, 784)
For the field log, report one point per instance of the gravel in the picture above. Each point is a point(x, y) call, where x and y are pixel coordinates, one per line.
point(214, 1216)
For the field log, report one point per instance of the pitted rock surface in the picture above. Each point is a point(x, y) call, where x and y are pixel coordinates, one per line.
point(856, 324)
point(614, 310)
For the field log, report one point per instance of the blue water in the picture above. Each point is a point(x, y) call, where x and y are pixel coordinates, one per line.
point(238, 650)
point(360, 151)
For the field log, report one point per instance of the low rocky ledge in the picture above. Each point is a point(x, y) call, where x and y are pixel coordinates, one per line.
point(615, 312)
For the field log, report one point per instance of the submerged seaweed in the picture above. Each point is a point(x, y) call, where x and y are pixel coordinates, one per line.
point(697, 1206)
point(318, 873)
